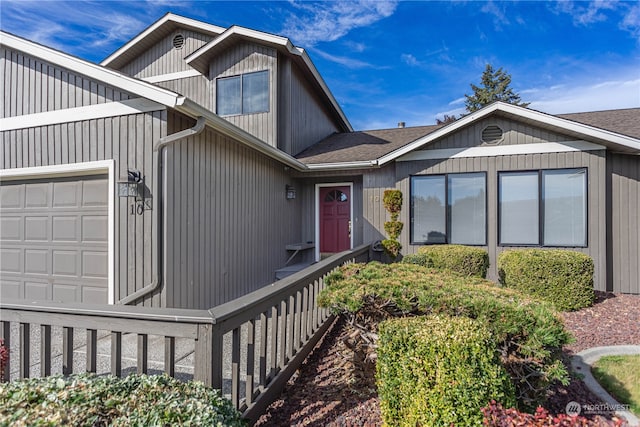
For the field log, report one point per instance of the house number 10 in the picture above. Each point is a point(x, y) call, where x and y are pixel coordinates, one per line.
point(137, 209)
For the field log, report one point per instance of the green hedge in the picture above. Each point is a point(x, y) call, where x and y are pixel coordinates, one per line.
point(527, 331)
point(438, 371)
point(465, 260)
point(561, 277)
point(90, 400)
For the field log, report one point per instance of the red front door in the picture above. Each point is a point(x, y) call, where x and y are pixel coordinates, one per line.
point(335, 219)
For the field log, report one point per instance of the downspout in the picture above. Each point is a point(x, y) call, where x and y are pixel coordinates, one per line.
point(157, 203)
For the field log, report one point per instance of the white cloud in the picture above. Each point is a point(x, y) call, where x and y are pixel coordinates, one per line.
point(499, 17)
point(347, 61)
point(329, 21)
point(588, 96)
point(410, 60)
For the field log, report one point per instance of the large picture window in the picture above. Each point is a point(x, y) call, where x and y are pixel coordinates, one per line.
point(244, 94)
point(543, 208)
point(449, 209)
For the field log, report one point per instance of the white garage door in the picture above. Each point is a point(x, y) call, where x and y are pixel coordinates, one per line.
point(54, 239)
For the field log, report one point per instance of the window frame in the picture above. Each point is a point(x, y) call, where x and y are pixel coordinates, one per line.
point(448, 209)
point(541, 208)
point(242, 107)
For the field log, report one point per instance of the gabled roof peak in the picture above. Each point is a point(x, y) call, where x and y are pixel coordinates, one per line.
point(169, 22)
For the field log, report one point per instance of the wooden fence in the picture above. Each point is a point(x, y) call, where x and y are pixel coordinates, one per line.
point(248, 347)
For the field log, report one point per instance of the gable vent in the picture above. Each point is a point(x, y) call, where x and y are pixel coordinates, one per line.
point(492, 134)
point(178, 41)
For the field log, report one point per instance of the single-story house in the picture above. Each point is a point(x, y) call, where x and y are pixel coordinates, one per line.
point(196, 163)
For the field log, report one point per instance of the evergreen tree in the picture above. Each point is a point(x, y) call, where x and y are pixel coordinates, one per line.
point(445, 120)
point(494, 87)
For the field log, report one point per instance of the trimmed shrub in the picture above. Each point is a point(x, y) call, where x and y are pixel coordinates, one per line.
point(528, 333)
point(561, 277)
point(87, 399)
point(392, 201)
point(465, 260)
point(495, 415)
point(438, 371)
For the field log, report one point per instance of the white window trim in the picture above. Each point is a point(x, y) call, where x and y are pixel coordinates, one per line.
point(80, 169)
point(317, 212)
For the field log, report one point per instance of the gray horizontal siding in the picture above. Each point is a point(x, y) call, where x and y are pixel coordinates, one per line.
point(31, 85)
point(514, 133)
point(624, 222)
point(128, 140)
point(227, 219)
point(245, 58)
point(163, 58)
point(376, 181)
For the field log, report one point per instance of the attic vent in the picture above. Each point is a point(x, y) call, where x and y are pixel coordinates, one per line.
point(178, 41)
point(492, 134)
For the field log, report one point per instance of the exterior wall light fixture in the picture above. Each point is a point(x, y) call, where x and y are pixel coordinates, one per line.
point(290, 192)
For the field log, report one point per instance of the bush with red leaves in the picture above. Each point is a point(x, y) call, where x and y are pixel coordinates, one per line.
point(497, 416)
point(4, 356)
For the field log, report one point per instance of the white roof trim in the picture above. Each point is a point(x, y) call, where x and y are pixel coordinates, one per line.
point(280, 41)
point(77, 114)
point(365, 164)
point(171, 76)
point(105, 75)
point(615, 138)
point(500, 150)
point(214, 29)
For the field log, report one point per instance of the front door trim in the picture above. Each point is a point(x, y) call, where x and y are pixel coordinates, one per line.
point(317, 211)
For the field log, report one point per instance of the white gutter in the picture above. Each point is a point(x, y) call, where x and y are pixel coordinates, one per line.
point(158, 198)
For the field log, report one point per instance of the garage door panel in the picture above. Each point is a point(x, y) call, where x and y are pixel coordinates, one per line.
point(37, 196)
point(94, 228)
point(94, 295)
point(65, 229)
point(65, 292)
point(54, 239)
point(94, 264)
point(65, 194)
point(36, 228)
point(36, 261)
point(10, 261)
point(92, 196)
point(10, 227)
point(37, 291)
point(10, 289)
point(11, 196)
point(65, 263)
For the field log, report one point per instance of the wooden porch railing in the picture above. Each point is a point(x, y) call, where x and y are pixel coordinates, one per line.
point(248, 347)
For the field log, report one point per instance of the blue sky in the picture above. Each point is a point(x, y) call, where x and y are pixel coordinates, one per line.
point(391, 61)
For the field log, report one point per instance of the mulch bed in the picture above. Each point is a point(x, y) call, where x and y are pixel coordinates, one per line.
point(329, 390)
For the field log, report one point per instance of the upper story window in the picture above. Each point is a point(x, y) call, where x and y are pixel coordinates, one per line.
point(543, 208)
point(244, 94)
point(449, 208)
